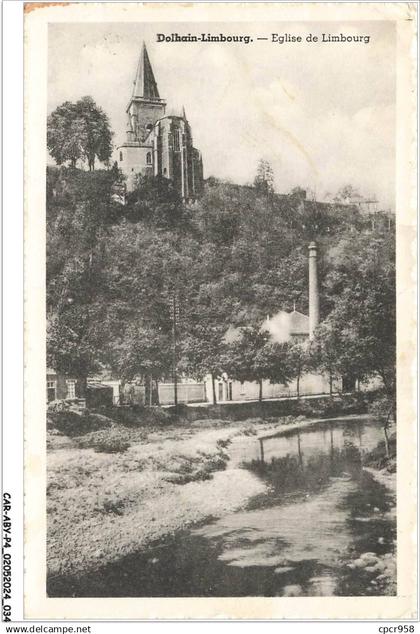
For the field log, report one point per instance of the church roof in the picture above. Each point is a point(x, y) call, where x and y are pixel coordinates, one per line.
point(145, 85)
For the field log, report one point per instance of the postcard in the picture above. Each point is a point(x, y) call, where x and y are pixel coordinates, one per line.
point(220, 311)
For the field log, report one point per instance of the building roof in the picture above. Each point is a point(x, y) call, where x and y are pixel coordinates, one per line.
point(299, 323)
point(282, 326)
point(145, 85)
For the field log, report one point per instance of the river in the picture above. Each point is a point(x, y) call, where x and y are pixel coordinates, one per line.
point(321, 512)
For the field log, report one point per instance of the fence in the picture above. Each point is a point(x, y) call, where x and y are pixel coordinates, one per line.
point(187, 393)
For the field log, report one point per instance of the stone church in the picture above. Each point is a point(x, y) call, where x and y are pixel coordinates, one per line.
point(158, 144)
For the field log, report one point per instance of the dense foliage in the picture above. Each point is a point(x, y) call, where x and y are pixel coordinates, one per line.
point(154, 283)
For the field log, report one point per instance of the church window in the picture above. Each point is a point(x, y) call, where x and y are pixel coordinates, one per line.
point(121, 156)
point(165, 171)
point(149, 158)
point(176, 142)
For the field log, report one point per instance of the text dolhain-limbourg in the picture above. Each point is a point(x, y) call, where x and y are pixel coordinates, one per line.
point(277, 38)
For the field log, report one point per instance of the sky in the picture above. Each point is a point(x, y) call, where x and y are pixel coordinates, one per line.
point(323, 114)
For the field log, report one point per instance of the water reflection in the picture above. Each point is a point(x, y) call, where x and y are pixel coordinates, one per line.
point(322, 511)
point(309, 460)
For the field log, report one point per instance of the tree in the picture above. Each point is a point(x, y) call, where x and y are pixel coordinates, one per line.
point(79, 131)
point(65, 134)
point(98, 135)
point(156, 201)
point(264, 179)
point(75, 339)
point(141, 351)
point(328, 352)
point(147, 267)
point(297, 356)
point(358, 335)
point(204, 352)
point(384, 409)
point(253, 357)
point(347, 193)
point(80, 212)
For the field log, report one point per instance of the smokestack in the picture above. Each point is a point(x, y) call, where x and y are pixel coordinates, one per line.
point(313, 290)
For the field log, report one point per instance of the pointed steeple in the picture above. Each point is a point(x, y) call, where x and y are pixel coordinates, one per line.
point(145, 85)
point(184, 116)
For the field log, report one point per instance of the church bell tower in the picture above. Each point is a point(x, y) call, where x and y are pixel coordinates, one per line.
point(145, 106)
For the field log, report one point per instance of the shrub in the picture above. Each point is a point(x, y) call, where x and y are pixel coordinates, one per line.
point(159, 416)
point(65, 404)
point(105, 440)
point(139, 415)
point(330, 407)
point(383, 407)
point(75, 423)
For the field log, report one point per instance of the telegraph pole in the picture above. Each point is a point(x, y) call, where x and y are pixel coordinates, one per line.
point(175, 315)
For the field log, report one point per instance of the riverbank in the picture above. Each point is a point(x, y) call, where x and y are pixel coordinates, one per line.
point(381, 463)
point(381, 570)
point(119, 488)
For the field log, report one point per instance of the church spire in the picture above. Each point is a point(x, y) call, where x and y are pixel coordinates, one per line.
point(145, 85)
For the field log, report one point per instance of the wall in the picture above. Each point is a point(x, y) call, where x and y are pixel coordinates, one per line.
point(61, 386)
point(187, 393)
point(344, 405)
point(115, 385)
point(134, 161)
point(249, 390)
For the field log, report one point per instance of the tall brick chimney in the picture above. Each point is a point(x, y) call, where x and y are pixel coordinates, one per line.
point(313, 290)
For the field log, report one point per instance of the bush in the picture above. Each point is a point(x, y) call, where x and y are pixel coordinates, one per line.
point(377, 458)
point(330, 407)
point(139, 415)
point(105, 441)
point(383, 407)
point(159, 416)
point(65, 405)
point(74, 423)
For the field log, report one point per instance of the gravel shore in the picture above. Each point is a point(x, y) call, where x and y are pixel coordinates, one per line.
point(102, 506)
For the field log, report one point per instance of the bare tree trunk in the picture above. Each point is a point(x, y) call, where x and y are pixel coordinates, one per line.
point(261, 449)
point(213, 386)
point(147, 390)
point(260, 393)
point(157, 392)
point(298, 385)
point(150, 390)
point(331, 384)
point(81, 387)
point(386, 439)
